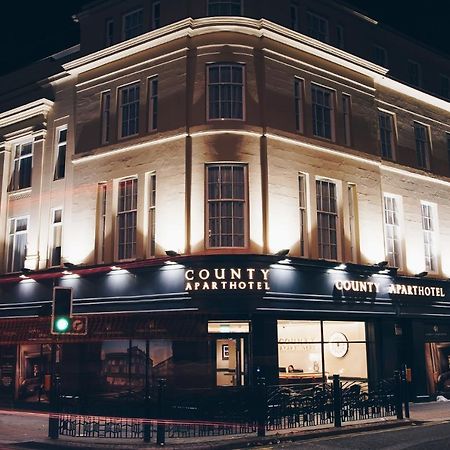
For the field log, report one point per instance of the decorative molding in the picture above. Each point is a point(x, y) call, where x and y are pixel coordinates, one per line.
point(27, 111)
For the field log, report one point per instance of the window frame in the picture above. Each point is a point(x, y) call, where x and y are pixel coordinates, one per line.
point(10, 263)
point(120, 89)
point(129, 14)
point(340, 37)
point(331, 108)
point(127, 213)
point(242, 67)
point(303, 199)
point(109, 32)
point(393, 134)
point(310, 16)
point(412, 63)
point(60, 153)
point(294, 15)
point(346, 102)
point(397, 259)
point(100, 240)
point(430, 230)
point(444, 86)
point(156, 18)
point(151, 228)
point(18, 159)
point(299, 104)
point(244, 201)
point(422, 144)
point(54, 227)
point(379, 50)
point(224, 3)
point(152, 103)
point(105, 117)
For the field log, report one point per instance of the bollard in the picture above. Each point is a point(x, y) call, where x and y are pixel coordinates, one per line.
point(337, 400)
point(261, 405)
point(398, 394)
point(161, 426)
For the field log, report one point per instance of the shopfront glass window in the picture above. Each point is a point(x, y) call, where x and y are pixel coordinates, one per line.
point(312, 351)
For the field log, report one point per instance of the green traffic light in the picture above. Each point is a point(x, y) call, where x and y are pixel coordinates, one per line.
point(62, 324)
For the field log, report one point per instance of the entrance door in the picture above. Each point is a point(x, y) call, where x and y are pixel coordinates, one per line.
point(230, 361)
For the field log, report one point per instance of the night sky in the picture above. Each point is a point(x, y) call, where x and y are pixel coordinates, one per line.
point(33, 30)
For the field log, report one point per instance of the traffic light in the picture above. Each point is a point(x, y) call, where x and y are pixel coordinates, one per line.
point(62, 310)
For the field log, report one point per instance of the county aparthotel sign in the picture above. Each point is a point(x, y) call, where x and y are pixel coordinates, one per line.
point(226, 278)
point(356, 287)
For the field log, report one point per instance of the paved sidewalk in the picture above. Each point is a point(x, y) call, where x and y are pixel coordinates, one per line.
point(28, 430)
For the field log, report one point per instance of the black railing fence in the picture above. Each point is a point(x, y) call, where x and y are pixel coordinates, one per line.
point(175, 413)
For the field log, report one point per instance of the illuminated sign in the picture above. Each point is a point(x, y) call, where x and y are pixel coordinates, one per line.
point(226, 279)
point(357, 287)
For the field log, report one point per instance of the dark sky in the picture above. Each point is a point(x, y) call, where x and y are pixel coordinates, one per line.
point(46, 27)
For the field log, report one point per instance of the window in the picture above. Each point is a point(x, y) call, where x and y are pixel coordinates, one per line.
point(21, 176)
point(224, 8)
point(225, 91)
point(323, 111)
point(105, 120)
point(109, 32)
point(61, 147)
point(302, 199)
point(445, 86)
point(299, 87)
point(226, 192)
point(422, 145)
point(56, 238)
point(156, 15)
point(327, 219)
point(153, 103)
point(392, 230)
point(386, 128)
point(17, 244)
point(340, 43)
point(101, 221)
point(293, 8)
point(380, 56)
point(352, 221)
point(132, 24)
point(429, 236)
point(126, 218)
point(129, 110)
point(346, 115)
point(152, 214)
point(414, 73)
point(318, 27)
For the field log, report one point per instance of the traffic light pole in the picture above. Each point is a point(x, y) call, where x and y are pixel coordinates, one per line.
point(53, 417)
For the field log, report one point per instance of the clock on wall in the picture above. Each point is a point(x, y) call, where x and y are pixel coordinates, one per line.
point(338, 345)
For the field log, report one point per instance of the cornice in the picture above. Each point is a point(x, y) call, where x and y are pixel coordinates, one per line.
point(24, 112)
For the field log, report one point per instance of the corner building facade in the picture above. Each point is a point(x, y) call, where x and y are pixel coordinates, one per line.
point(223, 133)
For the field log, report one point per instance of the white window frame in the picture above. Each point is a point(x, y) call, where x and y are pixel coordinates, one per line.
point(322, 110)
point(299, 104)
point(60, 153)
point(55, 235)
point(151, 192)
point(221, 86)
point(303, 196)
point(353, 223)
point(129, 105)
point(140, 27)
point(18, 160)
point(328, 249)
point(387, 136)
point(102, 195)
point(127, 214)
point(10, 260)
point(219, 201)
point(319, 34)
point(423, 145)
point(153, 92)
point(430, 236)
point(225, 3)
point(392, 229)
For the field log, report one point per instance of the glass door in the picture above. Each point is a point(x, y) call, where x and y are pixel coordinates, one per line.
point(230, 361)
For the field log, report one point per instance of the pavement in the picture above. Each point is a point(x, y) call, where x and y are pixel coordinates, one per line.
point(22, 430)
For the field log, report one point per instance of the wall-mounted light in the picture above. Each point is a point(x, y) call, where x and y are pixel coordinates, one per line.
point(421, 274)
point(172, 253)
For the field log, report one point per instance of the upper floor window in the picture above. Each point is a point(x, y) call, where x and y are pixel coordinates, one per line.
point(422, 145)
point(318, 27)
point(414, 73)
point(323, 111)
point(152, 214)
point(226, 208)
point(380, 56)
point(225, 91)
point(102, 190)
point(327, 219)
point(224, 7)
point(109, 32)
point(392, 236)
point(153, 103)
point(56, 238)
point(127, 219)
point(302, 204)
point(132, 24)
point(352, 221)
point(129, 110)
point(386, 129)
point(156, 15)
point(347, 118)
point(295, 22)
point(299, 88)
point(17, 244)
point(429, 236)
point(340, 40)
point(61, 147)
point(105, 119)
point(445, 86)
point(21, 176)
